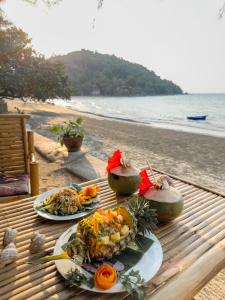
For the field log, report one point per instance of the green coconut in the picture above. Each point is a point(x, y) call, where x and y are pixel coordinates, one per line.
point(167, 201)
point(124, 180)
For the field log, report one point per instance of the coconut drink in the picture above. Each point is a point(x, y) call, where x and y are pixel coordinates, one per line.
point(122, 177)
point(164, 198)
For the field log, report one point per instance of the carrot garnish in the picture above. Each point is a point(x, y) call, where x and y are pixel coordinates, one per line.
point(105, 277)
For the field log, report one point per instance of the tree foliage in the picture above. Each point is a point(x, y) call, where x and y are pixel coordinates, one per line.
point(24, 73)
point(50, 3)
point(222, 11)
point(101, 74)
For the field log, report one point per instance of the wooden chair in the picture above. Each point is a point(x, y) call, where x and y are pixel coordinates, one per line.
point(17, 156)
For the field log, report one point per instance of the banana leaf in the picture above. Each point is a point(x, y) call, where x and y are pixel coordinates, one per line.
point(130, 257)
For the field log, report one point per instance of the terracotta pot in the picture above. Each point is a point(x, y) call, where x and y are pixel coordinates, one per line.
point(73, 144)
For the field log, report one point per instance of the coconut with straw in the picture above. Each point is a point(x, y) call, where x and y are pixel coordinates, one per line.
point(163, 196)
point(123, 178)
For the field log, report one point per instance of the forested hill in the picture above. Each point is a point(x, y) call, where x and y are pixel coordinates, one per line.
point(92, 73)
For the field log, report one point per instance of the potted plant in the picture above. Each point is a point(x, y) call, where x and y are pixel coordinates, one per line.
point(70, 134)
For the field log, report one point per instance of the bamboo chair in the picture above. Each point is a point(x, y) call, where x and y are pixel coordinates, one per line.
point(17, 154)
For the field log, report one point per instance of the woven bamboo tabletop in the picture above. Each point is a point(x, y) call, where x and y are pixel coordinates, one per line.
point(193, 246)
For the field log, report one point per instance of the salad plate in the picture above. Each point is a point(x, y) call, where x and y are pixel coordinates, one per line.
point(84, 209)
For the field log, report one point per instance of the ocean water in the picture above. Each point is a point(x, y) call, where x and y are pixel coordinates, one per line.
point(160, 111)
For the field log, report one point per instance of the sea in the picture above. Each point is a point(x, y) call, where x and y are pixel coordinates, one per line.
point(168, 112)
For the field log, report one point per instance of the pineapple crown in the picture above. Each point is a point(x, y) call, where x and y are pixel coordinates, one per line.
point(145, 216)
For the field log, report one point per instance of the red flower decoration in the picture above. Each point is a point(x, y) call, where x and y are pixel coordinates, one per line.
point(114, 161)
point(145, 183)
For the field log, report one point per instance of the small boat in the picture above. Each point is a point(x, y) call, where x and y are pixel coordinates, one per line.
point(196, 118)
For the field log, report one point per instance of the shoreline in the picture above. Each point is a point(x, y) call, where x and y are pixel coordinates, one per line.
point(153, 124)
point(195, 157)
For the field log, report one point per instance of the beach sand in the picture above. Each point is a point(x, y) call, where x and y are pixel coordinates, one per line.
point(195, 157)
point(53, 175)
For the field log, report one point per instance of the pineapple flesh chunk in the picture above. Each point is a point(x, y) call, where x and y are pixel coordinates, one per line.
point(115, 237)
point(124, 230)
point(119, 218)
point(105, 240)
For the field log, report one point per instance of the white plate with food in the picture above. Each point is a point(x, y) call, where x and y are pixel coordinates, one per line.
point(147, 264)
point(67, 203)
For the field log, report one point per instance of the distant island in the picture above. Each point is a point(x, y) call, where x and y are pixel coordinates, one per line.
point(94, 74)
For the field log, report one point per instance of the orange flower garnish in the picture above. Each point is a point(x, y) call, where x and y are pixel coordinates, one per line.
point(105, 277)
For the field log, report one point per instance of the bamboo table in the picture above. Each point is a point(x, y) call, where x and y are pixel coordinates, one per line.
point(193, 246)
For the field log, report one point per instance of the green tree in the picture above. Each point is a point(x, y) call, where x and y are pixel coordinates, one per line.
point(24, 73)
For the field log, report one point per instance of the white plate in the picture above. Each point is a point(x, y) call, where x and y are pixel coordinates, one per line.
point(148, 265)
point(40, 199)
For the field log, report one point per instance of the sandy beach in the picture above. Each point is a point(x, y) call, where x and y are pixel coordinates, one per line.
point(195, 157)
point(198, 158)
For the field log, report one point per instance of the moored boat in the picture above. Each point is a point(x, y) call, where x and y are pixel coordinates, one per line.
point(196, 118)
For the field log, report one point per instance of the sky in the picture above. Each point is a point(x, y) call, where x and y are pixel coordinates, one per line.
point(181, 40)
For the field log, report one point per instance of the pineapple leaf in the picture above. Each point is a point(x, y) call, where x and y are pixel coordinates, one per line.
point(145, 215)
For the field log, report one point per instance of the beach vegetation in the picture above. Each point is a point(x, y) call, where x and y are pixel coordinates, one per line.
point(19, 110)
point(24, 73)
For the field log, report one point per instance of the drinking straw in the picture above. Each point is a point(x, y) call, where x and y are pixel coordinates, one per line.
point(152, 172)
point(124, 160)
